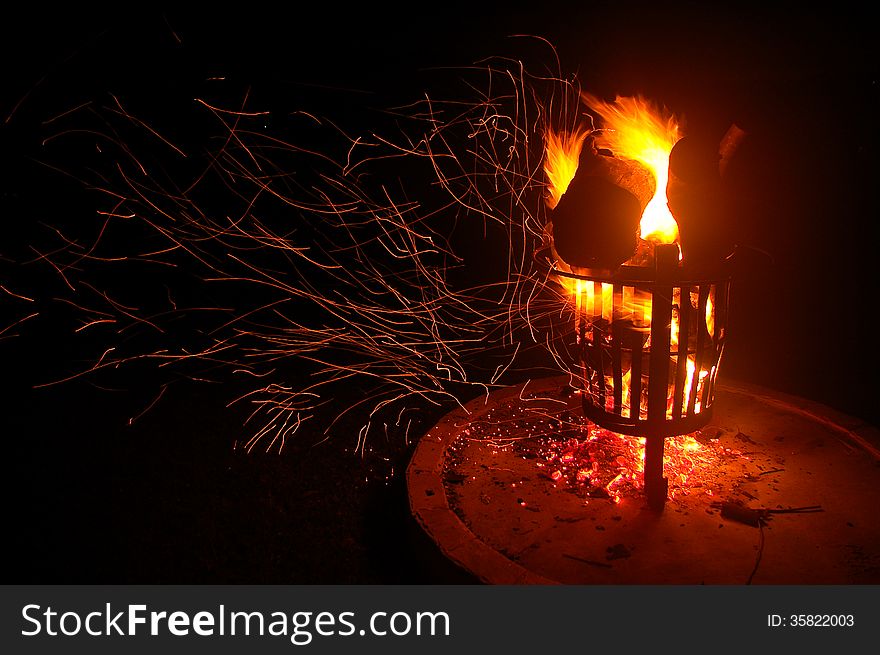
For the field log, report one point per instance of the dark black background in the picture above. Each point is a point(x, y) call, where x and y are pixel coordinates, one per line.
point(92, 499)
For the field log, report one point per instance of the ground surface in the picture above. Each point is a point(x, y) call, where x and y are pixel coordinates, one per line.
point(521, 513)
point(170, 499)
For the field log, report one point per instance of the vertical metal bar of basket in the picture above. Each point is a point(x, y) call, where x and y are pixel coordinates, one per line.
point(616, 354)
point(666, 262)
point(661, 337)
point(684, 325)
point(703, 297)
point(636, 341)
point(722, 300)
point(708, 383)
point(581, 337)
point(598, 345)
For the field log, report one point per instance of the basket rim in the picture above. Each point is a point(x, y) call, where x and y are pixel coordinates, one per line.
point(644, 275)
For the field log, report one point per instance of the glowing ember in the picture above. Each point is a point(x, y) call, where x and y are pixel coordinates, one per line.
point(595, 463)
point(603, 464)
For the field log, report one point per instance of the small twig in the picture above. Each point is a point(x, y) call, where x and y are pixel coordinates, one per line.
point(591, 562)
point(772, 471)
point(809, 509)
point(760, 555)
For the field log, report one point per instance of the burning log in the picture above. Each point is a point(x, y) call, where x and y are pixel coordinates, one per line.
point(628, 174)
point(696, 195)
point(596, 223)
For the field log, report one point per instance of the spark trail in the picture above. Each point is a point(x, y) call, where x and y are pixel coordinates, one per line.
point(311, 245)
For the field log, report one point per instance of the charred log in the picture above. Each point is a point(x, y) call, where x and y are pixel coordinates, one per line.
point(628, 174)
point(696, 194)
point(596, 223)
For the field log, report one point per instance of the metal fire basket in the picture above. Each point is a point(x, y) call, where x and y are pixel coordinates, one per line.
point(649, 341)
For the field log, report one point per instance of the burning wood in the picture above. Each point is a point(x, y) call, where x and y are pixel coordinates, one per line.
point(596, 221)
point(616, 207)
point(639, 163)
point(696, 195)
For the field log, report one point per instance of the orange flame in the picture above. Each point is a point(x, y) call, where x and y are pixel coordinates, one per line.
point(563, 151)
point(710, 313)
point(636, 129)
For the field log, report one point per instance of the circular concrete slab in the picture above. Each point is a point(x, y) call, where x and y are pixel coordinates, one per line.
point(497, 487)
